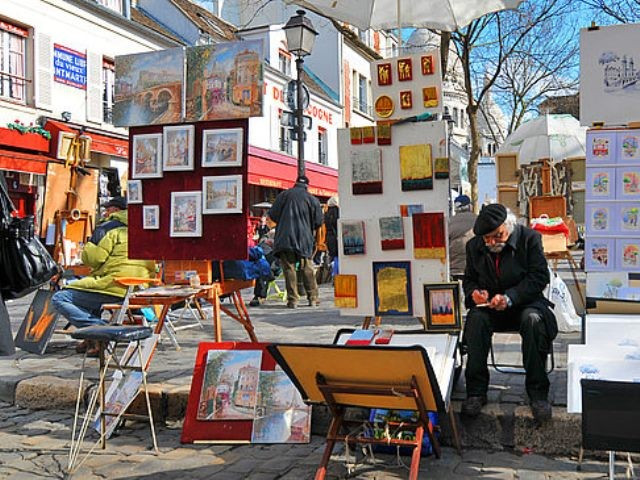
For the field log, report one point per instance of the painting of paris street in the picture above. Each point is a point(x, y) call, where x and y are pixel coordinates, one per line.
point(230, 385)
point(280, 415)
point(149, 88)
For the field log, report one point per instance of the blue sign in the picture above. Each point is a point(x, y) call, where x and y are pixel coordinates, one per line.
point(70, 67)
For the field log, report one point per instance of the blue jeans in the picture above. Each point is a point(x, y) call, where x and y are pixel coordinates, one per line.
point(81, 308)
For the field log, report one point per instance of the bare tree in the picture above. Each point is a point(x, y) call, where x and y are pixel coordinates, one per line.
point(623, 11)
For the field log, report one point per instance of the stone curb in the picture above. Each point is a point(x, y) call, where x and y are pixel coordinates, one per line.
point(498, 427)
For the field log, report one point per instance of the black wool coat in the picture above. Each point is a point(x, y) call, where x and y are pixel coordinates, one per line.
point(297, 214)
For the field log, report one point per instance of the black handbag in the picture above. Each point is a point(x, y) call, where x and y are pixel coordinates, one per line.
point(25, 264)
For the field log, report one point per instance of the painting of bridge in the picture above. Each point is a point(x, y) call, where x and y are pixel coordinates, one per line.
point(149, 88)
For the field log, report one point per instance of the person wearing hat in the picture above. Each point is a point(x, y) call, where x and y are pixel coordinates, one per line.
point(504, 280)
point(298, 215)
point(460, 232)
point(105, 252)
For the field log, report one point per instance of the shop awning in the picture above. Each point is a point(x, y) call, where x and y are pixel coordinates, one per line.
point(100, 143)
point(23, 162)
point(276, 170)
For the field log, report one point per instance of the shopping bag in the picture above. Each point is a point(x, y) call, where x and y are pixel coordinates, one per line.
point(558, 294)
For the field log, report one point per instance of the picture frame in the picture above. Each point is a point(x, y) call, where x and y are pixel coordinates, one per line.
point(391, 233)
point(601, 147)
point(429, 235)
point(392, 288)
point(442, 306)
point(345, 290)
point(628, 218)
point(151, 217)
point(628, 254)
point(134, 191)
point(147, 156)
point(222, 147)
point(177, 148)
point(186, 214)
point(628, 146)
point(416, 167)
point(599, 218)
point(38, 325)
point(406, 100)
point(405, 70)
point(222, 194)
point(430, 97)
point(426, 64)
point(628, 183)
point(366, 171)
point(353, 237)
point(385, 74)
point(600, 184)
point(599, 254)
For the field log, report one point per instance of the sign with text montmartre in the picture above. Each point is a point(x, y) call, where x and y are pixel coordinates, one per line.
point(69, 67)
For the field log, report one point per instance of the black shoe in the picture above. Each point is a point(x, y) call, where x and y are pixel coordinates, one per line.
point(291, 305)
point(314, 303)
point(255, 302)
point(471, 406)
point(541, 410)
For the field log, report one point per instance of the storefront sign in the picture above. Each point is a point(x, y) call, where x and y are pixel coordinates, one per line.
point(314, 111)
point(70, 67)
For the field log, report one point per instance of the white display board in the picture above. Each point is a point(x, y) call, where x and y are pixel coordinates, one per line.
point(389, 79)
point(370, 207)
point(609, 75)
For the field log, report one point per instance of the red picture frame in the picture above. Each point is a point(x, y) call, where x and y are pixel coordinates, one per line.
point(426, 62)
point(405, 70)
point(406, 100)
point(385, 74)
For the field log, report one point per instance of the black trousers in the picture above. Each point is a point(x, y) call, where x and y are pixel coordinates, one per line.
point(479, 328)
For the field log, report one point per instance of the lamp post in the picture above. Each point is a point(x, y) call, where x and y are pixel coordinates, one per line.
point(450, 122)
point(300, 38)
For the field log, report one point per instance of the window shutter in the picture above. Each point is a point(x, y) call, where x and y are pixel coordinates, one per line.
point(94, 87)
point(44, 71)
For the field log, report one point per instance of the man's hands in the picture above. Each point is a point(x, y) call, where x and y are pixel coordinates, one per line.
point(498, 302)
point(481, 297)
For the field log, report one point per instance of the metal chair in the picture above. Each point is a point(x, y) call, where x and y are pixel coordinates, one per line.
point(516, 368)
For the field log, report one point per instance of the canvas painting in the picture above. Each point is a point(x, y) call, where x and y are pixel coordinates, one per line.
point(600, 183)
point(186, 214)
point(426, 61)
point(151, 217)
point(222, 194)
point(442, 306)
point(405, 70)
point(147, 156)
point(222, 147)
point(355, 134)
point(406, 100)
point(230, 385)
point(391, 233)
point(598, 254)
point(383, 132)
point(149, 88)
point(628, 253)
point(38, 325)
point(392, 288)
point(416, 171)
point(628, 183)
point(366, 171)
point(121, 393)
point(134, 191)
point(599, 219)
point(601, 147)
point(178, 148)
point(353, 239)
point(345, 291)
point(280, 414)
point(411, 209)
point(385, 74)
point(368, 134)
point(441, 168)
point(430, 97)
point(606, 284)
point(629, 218)
point(429, 235)
point(611, 330)
point(629, 146)
point(224, 80)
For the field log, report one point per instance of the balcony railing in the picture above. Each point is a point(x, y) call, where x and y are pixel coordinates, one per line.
point(13, 87)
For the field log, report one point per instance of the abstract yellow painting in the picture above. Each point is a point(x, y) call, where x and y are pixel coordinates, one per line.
point(392, 288)
point(416, 167)
point(345, 291)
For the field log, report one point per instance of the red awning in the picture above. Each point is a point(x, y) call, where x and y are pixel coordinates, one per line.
point(101, 143)
point(23, 162)
point(276, 170)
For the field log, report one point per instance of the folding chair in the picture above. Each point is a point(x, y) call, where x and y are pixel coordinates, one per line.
point(278, 293)
point(516, 368)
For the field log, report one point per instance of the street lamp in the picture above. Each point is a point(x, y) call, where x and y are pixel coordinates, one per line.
point(450, 123)
point(300, 38)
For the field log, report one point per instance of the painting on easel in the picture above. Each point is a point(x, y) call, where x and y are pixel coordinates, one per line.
point(38, 324)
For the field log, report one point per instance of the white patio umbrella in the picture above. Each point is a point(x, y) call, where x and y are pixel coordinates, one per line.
point(547, 136)
point(387, 14)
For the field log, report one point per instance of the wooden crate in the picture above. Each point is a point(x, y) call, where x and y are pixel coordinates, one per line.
point(507, 168)
point(179, 271)
point(509, 198)
point(556, 242)
point(550, 205)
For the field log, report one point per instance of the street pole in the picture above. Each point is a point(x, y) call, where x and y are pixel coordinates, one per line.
point(299, 119)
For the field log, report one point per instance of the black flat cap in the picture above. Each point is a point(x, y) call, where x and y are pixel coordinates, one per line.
point(118, 202)
point(490, 217)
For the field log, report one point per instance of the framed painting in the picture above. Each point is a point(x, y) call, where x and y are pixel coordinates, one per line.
point(38, 325)
point(134, 191)
point(366, 172)
point(151, 217)
point(383, 133)
point(368, 134)
point(186, 214)
point(599, 254)
point(600, 184)
point(628, 254)
point(222, 147)
point(178, 148)
point(405, 70)
point(353, 237)
point(406, 100)
point(391, 233)
point(147, 156)
point(628, 218)
point(416, 170)
point(355, 134)
point(629, 145)
point(442, 306)
point(441, 168)
point(430, 97)
point(385, 74)
point(222, 194)
point(429, 237)
point(601, 147)
point(345, 291)
point(599, 219)
point(392, 288)
point(410, 209)
point(628, 183)
point(426, 63)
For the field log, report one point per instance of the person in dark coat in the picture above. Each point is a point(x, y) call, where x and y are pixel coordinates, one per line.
point(460, 232)
point(504, 280)
point(331, 217)
point(297, 214)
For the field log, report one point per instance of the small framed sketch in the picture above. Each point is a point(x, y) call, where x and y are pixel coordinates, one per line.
point(186, 214)
point(628, 253)
point(442, 306)
point(134, 191)
point(600, 183)
point(147, 156)
point(599, 218)
point(601, 147)
point(598, 254)
point(222, 147)
point(628, 218)
point(629, 146)
point(222, 194)
point(151, 217)
point(628, 183)
point(178, 148)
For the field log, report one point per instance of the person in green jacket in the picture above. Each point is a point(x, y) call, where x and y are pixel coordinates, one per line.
point(80, 302)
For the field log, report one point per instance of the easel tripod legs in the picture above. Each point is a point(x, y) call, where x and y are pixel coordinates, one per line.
point(334, 428)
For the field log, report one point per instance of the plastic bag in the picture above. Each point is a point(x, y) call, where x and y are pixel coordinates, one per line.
point(558, 293)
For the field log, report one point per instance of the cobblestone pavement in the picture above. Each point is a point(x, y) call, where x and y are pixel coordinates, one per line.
point(34, 445)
